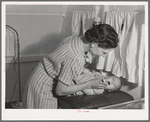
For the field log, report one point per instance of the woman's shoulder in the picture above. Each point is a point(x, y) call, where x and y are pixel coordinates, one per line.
point(76, 44)
point(77, 37)
point(69, 40)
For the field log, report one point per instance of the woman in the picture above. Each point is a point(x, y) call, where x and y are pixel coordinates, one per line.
point(54, 75)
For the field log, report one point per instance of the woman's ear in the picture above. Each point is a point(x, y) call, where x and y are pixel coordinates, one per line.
point(93, 45)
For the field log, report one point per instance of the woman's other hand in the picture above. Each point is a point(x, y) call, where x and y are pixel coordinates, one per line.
point(89, 58)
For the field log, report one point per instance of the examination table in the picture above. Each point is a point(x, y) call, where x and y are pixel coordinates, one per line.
point(93, 101)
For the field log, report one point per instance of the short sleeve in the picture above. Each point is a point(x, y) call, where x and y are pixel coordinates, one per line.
point(66, 73)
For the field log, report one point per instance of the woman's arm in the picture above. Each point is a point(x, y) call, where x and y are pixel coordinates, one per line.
point(62, 89)
point(86, 77)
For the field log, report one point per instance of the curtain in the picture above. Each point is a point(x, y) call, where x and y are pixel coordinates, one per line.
point(87, 20)
point(76, 22)
point(86, 17)
point(127, 59)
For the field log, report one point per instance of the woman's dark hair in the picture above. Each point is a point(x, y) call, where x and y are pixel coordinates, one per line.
point(104, 35)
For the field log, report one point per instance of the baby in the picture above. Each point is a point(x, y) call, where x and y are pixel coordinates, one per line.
point(113, 83)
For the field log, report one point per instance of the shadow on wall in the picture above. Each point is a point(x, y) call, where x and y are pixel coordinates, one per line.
point(43, 46)
point(66, 26)
point(133, 89)
point(129, 84)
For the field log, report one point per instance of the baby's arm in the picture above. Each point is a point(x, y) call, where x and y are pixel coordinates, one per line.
point(86, 77)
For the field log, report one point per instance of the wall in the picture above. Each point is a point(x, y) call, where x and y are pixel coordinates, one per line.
point(39, 29)
point(12, 86)
point(125, 8)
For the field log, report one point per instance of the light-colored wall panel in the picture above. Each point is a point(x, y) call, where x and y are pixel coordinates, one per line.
point(34, 8)
point(37, 34)
point(125, 8)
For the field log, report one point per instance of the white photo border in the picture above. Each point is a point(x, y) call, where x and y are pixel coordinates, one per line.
point(68, 114)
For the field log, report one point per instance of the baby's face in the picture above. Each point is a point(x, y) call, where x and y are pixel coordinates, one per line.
point(112, 83)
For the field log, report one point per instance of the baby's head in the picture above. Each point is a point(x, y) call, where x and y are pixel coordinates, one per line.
point(113, 83)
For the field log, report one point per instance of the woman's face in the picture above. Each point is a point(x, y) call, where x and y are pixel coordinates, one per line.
point(97, 51)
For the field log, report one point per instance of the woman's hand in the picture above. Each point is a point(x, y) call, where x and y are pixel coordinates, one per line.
point(97, 83)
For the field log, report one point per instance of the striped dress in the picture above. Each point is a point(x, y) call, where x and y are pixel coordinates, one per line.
point(64, 63)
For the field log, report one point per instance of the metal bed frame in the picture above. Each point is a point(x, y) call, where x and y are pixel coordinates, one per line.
point(18, 55)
